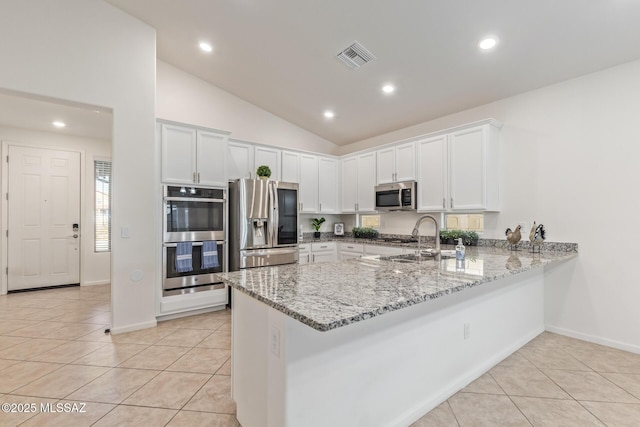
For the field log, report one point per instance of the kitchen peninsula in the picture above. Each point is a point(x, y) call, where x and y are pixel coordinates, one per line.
point(377, 342)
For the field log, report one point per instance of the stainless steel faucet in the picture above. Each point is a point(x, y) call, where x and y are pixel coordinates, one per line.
point(416, 233)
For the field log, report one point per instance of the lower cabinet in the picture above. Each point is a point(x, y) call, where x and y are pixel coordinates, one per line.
point(350, 250)
point(323, 252)
point(317, 252)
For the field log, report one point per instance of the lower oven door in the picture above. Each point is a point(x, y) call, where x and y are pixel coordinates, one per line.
point(199, 279)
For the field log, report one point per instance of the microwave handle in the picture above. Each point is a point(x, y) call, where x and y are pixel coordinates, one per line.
point(400, 197)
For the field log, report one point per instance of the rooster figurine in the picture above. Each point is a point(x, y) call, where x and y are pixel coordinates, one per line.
point(513, 237)
point(536, 237)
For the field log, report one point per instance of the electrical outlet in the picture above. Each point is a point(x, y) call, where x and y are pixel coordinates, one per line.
point(467, 331)
point(275, 341)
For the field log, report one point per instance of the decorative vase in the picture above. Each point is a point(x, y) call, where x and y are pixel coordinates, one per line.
point(316, 234)
point(264, 178)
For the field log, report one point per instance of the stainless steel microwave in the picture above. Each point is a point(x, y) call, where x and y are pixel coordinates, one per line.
point(396, 196)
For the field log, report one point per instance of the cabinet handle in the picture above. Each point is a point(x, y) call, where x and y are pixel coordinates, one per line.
point(194, 177)
point(452, 203)
point(313, 257)
point(320, 207)
point(198, 177)
point(443, 203)
point(301, 206)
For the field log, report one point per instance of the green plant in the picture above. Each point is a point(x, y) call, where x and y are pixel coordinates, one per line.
point(445, 235)
point(469, 237)
point(365, 232)
point(263, 170)
point(316, 223)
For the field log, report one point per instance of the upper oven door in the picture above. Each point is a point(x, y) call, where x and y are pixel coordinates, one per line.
point(195, 216)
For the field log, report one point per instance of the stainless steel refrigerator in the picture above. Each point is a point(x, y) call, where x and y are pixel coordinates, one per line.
point(263, 223)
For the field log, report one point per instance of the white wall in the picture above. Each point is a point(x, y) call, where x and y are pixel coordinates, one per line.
point(185, 98)
point(570, 154)
point(89, 52)
point(94, 266)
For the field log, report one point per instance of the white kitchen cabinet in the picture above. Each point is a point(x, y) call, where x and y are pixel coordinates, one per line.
point(304, 253)
point(269, 157)
point(323, 252)
point(240, 160)
point(350, 250)
point(459, 170)
point(433, 172)
point(308, 192)
point(396, 163)
point(290, 166)
point(358, 183)
point(192, 156)
point(383, 250)
point(328, 185)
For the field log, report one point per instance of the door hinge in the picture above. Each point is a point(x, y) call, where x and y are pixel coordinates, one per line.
point(7, 158)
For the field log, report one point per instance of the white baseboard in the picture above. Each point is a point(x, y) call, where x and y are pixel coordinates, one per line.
point(96, 282)
point(190, 313)
point(134, 327)
point(594, 339)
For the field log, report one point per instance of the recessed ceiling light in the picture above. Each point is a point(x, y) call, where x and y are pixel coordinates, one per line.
point(58, 124)
point(487, 43)
point(206, 46)
point(329, 114)
point(388, 88)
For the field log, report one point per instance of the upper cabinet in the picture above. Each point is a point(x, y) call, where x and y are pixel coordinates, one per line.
point(396, 163)
point(193, 156)
point(328, 185)
point(308, 183)
point(290, 166)
point(318, 179)
point(459, 170)
point(269, 157)
point(358, 183)
point(240, 160)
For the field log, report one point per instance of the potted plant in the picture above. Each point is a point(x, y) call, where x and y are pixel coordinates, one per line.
point(365, 232)
point(470, 238)
point(316, 223)
point(263, 172)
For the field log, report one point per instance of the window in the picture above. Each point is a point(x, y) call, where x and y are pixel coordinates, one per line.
point(470, 222)
point(102, 172)
point(372, 221)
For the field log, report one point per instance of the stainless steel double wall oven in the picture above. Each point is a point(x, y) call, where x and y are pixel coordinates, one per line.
point(196, 215)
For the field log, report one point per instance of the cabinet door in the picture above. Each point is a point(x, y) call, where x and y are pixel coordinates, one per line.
point(432, 173)
point(269, 157)
point(324, 257)
point(467, 171)
point(308, 183)
point(405, 162)
point(366, 182)
point(349, 197)
point(178, 155)
point(327, 185)
point(290, 166)
point(385, 165)
point(240, 160)
point(211, 160)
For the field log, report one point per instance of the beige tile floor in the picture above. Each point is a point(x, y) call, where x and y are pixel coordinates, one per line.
point(53, 350)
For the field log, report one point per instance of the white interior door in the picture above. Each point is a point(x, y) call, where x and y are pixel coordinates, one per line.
point(43, 206)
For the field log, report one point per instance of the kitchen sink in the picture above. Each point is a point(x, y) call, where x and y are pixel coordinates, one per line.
point(427, 254)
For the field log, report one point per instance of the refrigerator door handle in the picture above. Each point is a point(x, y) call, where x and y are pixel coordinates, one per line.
point(273, 194)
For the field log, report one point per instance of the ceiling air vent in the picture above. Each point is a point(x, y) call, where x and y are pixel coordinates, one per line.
point(355, 56)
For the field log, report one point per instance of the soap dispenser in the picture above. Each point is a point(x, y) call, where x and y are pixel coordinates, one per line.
point(459, 256)
point(460, 251)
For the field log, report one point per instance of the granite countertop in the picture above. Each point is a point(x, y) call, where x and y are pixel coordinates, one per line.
point(326, 296)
